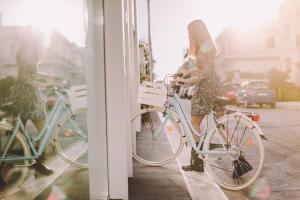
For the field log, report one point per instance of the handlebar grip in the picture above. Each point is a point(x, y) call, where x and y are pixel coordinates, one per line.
point(187, 76)
point(179, 74)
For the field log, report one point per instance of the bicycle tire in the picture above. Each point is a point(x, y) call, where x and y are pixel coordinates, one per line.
point(16, 169)
point(176, 137)
point(261, 152)
point(65, 139)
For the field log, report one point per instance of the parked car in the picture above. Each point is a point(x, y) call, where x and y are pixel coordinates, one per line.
point(230, 91)
point(256, 92)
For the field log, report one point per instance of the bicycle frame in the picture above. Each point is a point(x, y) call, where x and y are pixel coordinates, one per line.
point(58, 112)
point(176, 107)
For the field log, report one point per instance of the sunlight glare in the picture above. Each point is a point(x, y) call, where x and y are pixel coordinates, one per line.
point(249, 14)
point(49, 15)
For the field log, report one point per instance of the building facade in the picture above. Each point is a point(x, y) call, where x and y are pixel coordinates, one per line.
point(289, 37)
point(249, 51)
point(273, 44)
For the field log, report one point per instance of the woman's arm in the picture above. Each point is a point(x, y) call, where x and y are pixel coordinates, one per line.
point(196, 76)
point(192, 80)
point(44, 80)
point(46, 76)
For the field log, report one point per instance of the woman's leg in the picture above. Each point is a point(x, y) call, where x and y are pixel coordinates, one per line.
point(40, 164)
point(196, 164)
point(196, 122)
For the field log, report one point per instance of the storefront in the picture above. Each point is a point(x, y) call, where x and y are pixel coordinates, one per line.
point(104, 32)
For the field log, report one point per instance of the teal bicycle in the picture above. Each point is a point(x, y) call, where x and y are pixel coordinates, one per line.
point(65, 128)
point(231, 146)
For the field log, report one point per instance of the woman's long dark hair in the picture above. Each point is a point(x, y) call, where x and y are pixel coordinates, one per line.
point(199, 36)
point(29, 50)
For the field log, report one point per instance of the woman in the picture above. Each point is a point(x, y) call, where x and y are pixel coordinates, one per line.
point(201, 71)
point(25, 94)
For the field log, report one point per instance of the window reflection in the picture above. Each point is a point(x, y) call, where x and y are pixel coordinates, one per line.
point(62, 24)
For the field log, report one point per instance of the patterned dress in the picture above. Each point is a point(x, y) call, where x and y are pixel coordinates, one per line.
point(27, 100)
point(208, 86)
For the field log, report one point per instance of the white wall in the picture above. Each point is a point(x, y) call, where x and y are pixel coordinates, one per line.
point(96, 118)
point(116, 98)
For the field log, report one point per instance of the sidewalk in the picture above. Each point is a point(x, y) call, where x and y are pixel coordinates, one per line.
point(157, 183)
point(292, 105)
point(170, 182)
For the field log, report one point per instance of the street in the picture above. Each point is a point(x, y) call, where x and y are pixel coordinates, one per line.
point(280, 176)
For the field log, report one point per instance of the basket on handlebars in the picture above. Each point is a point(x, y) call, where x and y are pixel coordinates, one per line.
point(78, 97)
point(154, 94)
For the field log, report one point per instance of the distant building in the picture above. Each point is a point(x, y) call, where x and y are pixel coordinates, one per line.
point(289, 37)
point(60, 56)
point(9, 36)
point(248, 51)
point(274, 43)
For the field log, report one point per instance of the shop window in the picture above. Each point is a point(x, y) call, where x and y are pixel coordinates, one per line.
point(48, 41)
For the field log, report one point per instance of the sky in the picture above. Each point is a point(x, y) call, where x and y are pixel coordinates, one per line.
point(169, 20)
point(66, 16)
point(171, 17)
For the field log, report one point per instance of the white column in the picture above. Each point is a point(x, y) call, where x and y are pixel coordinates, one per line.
point(134, 74)
point(117, 104)
point(96, 118)
point(132, 84)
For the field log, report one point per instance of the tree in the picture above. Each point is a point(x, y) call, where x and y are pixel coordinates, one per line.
point(277, 78)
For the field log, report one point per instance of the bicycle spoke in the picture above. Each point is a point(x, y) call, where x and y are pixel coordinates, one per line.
point(153, 144)
point(227, 170)
point(237, 123)
point(227, 132)
point(243, 136)
point(151, 124)
point(231, 171)
point(242, 144)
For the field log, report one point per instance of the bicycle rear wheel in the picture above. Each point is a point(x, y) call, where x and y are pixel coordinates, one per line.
point(158, 139)
point(244, 161)
point(12, 172)
point(71, 139)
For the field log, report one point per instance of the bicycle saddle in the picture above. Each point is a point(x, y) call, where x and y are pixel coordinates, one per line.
point(221, 100)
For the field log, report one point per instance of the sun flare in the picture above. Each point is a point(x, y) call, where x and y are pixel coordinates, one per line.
point(46, 15)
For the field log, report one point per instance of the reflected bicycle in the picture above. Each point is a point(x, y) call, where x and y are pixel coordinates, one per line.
point(65, 128)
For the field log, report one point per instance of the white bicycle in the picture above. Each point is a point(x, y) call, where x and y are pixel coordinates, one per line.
point(234, 161)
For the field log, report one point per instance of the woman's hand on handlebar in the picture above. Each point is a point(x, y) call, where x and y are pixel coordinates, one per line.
point(179, 81)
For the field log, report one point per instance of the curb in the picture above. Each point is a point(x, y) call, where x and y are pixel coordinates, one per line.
point(200, 185)
point(288, 105)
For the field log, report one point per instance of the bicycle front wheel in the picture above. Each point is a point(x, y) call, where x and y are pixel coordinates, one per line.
point(71, 139)
point(13, 172)
point(244, 158)
point(157, 136)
